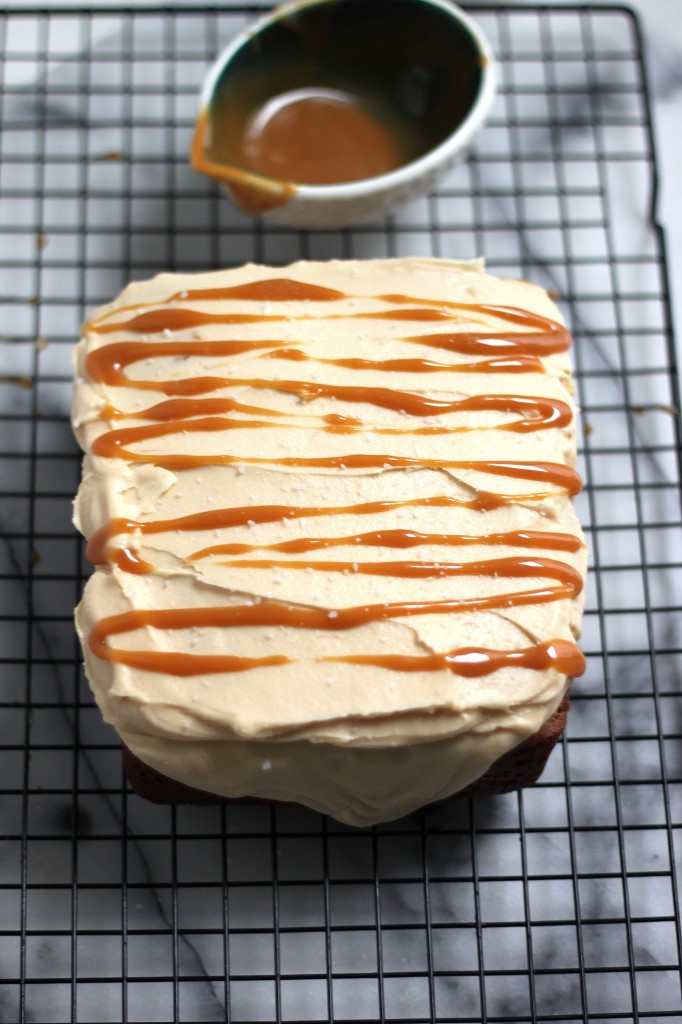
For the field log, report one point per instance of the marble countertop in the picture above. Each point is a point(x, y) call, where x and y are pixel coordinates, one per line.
point(571, 886)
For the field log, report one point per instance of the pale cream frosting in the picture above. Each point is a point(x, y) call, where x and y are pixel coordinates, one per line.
point(360, 742)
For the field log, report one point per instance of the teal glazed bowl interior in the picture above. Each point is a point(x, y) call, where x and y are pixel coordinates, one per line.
point(329, 111)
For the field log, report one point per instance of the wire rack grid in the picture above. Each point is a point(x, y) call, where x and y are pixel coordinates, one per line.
point(559, 903)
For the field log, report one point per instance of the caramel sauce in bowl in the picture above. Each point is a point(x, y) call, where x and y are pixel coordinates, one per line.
point(328, 112)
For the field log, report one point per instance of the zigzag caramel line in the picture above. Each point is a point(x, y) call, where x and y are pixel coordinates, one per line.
point(570, 581)
point(518, 568)
point(535, 413)
point(520, 364)
point(113, 445)
point(560, 654)
point(548, 337)
point(98, 551)
point(403, 539)
point(108, 364)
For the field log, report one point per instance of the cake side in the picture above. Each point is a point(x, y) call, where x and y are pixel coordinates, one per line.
point(330, 506)
point(518, 768)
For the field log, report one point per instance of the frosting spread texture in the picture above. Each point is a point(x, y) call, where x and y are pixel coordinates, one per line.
point(329, 507)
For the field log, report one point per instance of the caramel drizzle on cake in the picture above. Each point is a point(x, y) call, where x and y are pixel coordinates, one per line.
point(516, 351)
point(562, 655)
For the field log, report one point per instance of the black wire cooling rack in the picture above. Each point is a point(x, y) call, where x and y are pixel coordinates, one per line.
point(559, 903)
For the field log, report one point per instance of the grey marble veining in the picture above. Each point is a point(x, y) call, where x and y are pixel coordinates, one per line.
point(247, 913)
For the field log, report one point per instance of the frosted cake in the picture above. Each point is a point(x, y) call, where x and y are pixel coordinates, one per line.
point(330, 511)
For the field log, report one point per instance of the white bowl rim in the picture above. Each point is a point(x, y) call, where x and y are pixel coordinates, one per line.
point(458, 140)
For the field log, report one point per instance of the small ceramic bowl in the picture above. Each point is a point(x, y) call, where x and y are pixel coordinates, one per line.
point(328, 112)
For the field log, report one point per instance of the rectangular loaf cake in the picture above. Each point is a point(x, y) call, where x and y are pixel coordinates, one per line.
point(330, 511)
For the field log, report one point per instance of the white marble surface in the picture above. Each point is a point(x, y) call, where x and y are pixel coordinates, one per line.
point(598, 850)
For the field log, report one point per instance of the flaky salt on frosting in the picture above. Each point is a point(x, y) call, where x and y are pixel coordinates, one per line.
point(330, 509)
